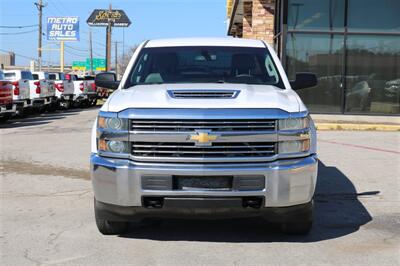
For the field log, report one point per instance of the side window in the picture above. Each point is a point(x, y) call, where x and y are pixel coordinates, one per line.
point(9, 76)
point(35, 76)
point(26, 75)
point(52, 76)
point(271, 70)
point(138, 72)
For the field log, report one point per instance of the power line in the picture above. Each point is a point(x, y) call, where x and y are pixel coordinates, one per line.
point(56, 7)
point(76, 49)
point(73, 53)
point(20, 55)
point(18, 27)
point(17, 33)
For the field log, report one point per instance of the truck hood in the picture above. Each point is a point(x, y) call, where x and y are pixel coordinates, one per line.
point(249, 96)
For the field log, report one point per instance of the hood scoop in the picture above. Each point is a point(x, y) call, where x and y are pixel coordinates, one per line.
point(203, 94)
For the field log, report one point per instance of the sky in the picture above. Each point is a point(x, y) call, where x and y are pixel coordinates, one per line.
point(151, 19)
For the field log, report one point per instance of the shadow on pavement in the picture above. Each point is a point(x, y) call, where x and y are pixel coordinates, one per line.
point(42, 118)
point(338, 212)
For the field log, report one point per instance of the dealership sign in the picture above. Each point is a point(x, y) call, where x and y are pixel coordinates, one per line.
point(104, 17)
point(63, 28)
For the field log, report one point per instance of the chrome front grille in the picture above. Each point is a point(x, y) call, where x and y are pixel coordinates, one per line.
point(190, 150)
point(206, 94)
point(212, 125)
point(178, 140)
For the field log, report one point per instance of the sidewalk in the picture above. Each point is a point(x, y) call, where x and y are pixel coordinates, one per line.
point(356, 122)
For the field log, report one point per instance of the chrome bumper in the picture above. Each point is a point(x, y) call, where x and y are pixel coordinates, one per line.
point(4, 110)
point(287, 182)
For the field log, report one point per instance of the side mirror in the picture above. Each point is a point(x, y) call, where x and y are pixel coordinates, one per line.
point(304, 80)
point(106, 80)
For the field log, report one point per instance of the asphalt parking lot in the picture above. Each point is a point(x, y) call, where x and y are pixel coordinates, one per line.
point(47, 206)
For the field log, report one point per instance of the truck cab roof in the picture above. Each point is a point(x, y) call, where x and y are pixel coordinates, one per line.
point(230, 42)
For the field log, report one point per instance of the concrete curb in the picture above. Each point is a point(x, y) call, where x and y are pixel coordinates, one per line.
point(357, 127)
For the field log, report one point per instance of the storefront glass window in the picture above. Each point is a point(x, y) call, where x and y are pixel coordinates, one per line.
point(373, 15)
point(373, 74)
point(322, 55)
point(316, 15)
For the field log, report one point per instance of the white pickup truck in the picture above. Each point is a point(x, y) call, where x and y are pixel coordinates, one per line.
point(85, 90)
point(64, 89)
point(208, 128)
point(46, 88)
point(21, 89)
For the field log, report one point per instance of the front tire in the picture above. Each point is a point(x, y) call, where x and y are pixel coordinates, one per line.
point(299, 224)
point(107, 227)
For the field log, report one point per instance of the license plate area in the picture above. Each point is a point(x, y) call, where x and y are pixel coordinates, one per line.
point(216, 183)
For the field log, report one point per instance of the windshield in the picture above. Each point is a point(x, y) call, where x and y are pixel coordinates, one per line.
point(204, 65)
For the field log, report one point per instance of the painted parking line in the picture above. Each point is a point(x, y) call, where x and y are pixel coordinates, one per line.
point(358, 146)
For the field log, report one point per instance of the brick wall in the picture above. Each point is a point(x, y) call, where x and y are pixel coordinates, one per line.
point(258, 20)
point(247, 29)
point(263, 20)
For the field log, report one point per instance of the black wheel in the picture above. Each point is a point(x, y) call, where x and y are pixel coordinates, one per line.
point(67, 105)
point(300, 223)
point(109, 227)
point(53, 106)
point(296, 228)
point(24, 112)
point(4, 118)
point(93, 102)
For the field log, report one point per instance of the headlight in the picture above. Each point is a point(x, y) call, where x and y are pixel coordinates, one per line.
point(115, 146)
point(293, 146)
point(293, 123)
point(113, 123)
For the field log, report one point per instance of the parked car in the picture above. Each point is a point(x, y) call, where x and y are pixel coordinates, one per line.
point(21, 89)
point(85, 91)
point(208, 128)
point(46, 88)
point(392, 89)
point(7, 108)
point(64, 89)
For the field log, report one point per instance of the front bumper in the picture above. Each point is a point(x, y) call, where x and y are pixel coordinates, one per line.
point(66, 97)
point(85, 96)
point(287, 182)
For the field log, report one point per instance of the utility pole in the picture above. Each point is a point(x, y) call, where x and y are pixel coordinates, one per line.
point(90, 51)
point(116, 58)
point(62, 56)
point(40, 6)
point(108, 41)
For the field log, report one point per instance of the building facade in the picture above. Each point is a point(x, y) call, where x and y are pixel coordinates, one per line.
point(7, 59)
point(353, 46)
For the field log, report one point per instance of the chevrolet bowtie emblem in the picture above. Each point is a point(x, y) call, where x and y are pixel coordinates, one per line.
point(203, 138)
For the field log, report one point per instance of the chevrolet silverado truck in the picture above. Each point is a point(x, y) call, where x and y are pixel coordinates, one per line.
point(85, 91)
point(21, 90)
point(7, 108)
point(37, 93)
point(46, 89)
point(64, 89)
point(204, 128)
